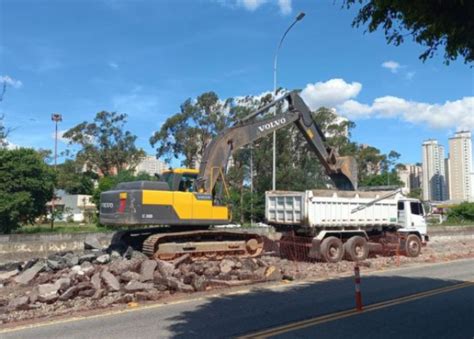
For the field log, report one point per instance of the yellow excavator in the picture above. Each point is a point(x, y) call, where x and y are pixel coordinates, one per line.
point(186, 203)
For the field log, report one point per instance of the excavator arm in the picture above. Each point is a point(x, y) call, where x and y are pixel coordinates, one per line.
point(342, 170)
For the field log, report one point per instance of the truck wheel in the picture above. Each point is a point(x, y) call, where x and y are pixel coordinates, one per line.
point(332, 249)
point(412, 246)
point(356, 248)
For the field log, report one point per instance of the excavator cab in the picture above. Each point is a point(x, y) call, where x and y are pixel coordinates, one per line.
point(180, 179)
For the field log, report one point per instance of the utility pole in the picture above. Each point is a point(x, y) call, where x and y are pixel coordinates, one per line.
point(299, 17)
point(251, 185)
point(56, 117)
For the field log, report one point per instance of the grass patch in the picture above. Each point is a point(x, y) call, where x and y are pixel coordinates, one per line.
point(61, 227)
point(454, 223)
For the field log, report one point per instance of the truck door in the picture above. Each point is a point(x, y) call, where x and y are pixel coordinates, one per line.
point(417, 215)
point(402, 217)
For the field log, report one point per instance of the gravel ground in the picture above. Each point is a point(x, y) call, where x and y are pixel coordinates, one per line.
point(69, 283)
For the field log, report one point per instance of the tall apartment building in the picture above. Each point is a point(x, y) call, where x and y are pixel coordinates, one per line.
point(460, 166)
point(151, 165)
point(411, 176)
point(434, 173)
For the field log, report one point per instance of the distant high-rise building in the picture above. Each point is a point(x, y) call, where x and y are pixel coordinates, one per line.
point(460, 166)
point(411, 176)
point(434, 174)
point(151, 165)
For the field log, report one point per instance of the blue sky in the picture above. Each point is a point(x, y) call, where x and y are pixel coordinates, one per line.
point(144, 58)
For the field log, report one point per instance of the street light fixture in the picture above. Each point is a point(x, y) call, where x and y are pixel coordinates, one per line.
point(299, 17)
point(56, 117)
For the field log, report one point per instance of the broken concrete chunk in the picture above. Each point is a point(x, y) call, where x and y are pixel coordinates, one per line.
point(87, 268)
point(165, 268)
point(199, 283)
point(147, 295)
point(95, 281)
point(137, 255)
point(26, 276)
point(128, 276)
point(19, 303)
point(69, 293)
point(47, 293)
point(71, 259)
point(87, 257)
point(110, 281)
point(134, 286)
point(63, 283)
point(226, 265)
point(186, 258)
point(77, 270)
point(147, 269)
point(7, 275)
point(103, 259)
point(119, 266)
point(86, 293)
point(177, 285)
point(92, 243)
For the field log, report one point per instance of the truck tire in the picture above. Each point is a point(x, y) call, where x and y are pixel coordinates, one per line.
point(412, 246)
point(332, 249)
point(356, 248)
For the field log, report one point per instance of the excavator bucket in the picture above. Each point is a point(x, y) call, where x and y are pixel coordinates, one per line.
point(346, 178)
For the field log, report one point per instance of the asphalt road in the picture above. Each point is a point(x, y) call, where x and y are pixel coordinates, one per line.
point(433, 301)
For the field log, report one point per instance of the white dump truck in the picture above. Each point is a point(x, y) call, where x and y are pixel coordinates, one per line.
point(349, 224)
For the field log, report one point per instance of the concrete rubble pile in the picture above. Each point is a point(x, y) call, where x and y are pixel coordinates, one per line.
point(98, 278)
point(101, 275)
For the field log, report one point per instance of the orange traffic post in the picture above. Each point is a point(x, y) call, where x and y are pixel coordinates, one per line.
point(358, 295)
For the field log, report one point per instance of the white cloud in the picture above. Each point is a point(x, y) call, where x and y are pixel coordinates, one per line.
point(6, 79)
point(338, 94)
point(285, 6)
point(251, 5)
point(61, 136)
point(393, 66)
point(330, 93)
point(113, 65)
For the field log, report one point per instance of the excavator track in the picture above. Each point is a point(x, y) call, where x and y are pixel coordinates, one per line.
point(202, 244)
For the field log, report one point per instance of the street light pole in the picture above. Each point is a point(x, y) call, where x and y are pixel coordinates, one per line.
point(56, 117)
point(299, 17)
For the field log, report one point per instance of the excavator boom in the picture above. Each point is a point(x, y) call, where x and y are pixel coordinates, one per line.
point(342, 170)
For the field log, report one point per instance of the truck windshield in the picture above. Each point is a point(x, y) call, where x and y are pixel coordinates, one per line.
point(416, 208)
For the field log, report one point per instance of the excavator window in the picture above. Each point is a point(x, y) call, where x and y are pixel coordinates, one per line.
point(187, 182)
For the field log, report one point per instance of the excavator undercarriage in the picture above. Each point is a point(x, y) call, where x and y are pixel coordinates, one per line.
point(167, 243)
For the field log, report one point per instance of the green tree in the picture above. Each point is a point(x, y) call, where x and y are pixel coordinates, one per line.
point(415, 193)
point(3, 133)
point(431, 23)
point(384, 179)
point(72, 179)
point(186, 134)
point(369, 161)
point(462, 212)
point(26, 184)
point(105, 146)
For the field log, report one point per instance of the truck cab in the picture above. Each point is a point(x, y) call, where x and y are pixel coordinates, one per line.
point(411, 216)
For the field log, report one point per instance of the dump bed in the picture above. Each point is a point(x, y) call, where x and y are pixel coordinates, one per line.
point(330, 208)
